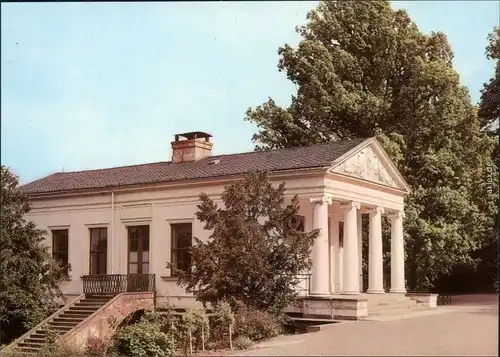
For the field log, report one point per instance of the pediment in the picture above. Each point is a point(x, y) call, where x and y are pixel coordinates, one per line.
point(370, 163)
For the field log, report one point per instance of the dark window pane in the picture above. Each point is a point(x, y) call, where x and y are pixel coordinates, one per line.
point(138, 248)
point(98, 250)
point(145, 244)
point(134, 244)
point(183, 265)
point(181, 244)
point(93, 264)
point(181, 235)
point(182, 256)
point(103, 244)
point(60, 246)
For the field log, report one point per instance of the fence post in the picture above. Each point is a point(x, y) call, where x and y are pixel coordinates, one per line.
point(154, 293)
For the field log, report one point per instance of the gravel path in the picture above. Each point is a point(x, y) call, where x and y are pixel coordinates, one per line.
point(467, 328)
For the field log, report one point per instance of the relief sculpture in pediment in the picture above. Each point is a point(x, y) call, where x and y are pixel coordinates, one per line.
point(367, 166)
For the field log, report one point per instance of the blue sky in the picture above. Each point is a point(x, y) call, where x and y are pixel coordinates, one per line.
point(94, 85)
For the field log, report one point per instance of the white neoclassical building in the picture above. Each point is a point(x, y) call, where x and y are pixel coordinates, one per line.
point(132, 220)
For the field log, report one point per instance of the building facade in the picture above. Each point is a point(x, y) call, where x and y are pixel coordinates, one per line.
point(135, 219)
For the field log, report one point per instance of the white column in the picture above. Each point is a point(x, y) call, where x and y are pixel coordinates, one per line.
point(360, 250)
point(397, 254)
point(320, 274)
point(334, 252)
point(375, 258)
point(351, 267)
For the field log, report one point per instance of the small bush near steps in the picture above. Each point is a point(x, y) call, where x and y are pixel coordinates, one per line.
point(144, 339)
point(242, 343)
point(257, 325)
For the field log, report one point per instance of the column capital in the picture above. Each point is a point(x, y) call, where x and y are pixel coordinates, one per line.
point(397, 214)
point(376, 210)
point(351, 204)
point(321, 200)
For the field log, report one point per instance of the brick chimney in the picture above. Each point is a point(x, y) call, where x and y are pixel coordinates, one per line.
point(192, 146)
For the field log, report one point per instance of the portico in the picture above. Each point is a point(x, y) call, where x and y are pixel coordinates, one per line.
point(364, 183)
point(336, 254)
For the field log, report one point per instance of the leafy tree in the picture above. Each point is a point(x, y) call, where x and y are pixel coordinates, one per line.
point(29, 276)
point(489, 105)
point(489, 114)
point(252, 254)
point(363, 69)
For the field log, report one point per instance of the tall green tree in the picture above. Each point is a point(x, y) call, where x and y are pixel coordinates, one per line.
point(254, 251)
point(29, 277)
point(489, 105)
point(363, 69)
point(489, 114)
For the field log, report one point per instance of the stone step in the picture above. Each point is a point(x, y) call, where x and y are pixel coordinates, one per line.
point(82, 309)
point(31, 344)
point(36, 338)
point(399, 303)
point(76, 313)
point(74, 320)
point(399, 311)
point(29, 350)
point(97, 301)
point(34, 342)
point(391, 308)
point(62, 323)
point(61, 329)
point(386, 299)
point(88, 305)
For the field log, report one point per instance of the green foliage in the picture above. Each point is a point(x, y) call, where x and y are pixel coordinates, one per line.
point(363, 70)
point(60, 349)
point(96, 347)
point(256, 325)
point(242, 342)
point(489, 105)
point(196, 321)
point(246, 258)
point(144, 339)
point(56, 349)
point(51, 335)
point(29, 276)
point(223, 314)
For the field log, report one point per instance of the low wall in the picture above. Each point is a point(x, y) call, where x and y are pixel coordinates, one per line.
point(177, 302)
point(344, 308)
point(102, 322)
point(429, 300)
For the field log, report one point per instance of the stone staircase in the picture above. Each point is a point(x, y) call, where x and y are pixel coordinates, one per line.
point(61, 322)
point(392, 304)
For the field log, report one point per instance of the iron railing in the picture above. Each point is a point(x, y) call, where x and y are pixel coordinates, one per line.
point(118, 283)
point(303, 286)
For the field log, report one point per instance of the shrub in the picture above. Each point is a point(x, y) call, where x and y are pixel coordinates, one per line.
point(10, 351)
point(196, 326)
point(144, 339)
point(60, 349)
point(96, 347)
point(242, 342)
point(256, 324)
point(221, 320)
point(56, 349)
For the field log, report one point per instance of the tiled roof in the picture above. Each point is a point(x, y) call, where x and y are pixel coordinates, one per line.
point(273, 160)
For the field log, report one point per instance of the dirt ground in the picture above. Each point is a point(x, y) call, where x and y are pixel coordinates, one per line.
point(468, 327)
